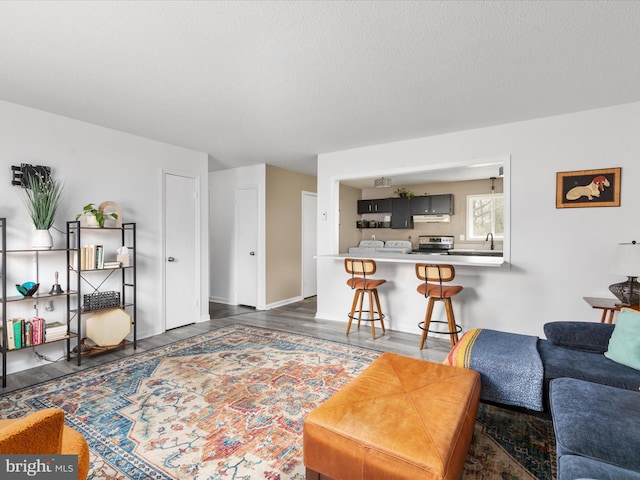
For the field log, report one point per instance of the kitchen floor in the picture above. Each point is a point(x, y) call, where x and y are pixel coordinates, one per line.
point(295, 318)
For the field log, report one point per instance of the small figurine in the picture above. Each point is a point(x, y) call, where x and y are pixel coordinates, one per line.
point(55, 289)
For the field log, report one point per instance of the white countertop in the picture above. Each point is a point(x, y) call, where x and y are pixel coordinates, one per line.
point(458, 260)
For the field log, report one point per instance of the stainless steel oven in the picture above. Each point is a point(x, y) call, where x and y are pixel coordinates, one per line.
point(432, 244)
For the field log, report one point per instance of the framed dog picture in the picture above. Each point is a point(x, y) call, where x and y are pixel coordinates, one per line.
point(588, 188)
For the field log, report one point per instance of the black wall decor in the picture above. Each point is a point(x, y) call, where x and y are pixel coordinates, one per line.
point(25, 171)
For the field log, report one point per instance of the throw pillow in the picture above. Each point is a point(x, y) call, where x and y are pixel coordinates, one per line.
point(589, 336)
point(624, 345)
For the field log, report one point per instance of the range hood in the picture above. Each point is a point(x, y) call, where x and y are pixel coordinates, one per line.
point(431, 218)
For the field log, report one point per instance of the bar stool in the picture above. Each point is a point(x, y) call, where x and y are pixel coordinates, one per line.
point(360, 269)
point(433, 288)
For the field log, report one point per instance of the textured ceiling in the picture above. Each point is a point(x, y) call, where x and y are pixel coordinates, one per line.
point(280, 82)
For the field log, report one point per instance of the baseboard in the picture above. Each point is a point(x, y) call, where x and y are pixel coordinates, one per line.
point(332, 317)
point(280, 303)
point(224, 301)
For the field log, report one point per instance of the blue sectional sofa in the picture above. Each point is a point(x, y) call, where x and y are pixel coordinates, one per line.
point(594, 402)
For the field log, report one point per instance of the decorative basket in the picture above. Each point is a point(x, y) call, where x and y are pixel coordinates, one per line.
point(100, 300)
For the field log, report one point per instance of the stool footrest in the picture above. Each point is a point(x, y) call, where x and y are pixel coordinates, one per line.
point(454, 332)
point(363, 319)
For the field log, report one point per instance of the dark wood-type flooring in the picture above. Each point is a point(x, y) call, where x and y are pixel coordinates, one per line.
point(295, 318)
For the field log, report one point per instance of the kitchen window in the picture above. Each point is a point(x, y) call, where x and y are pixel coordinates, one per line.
point(485, 214)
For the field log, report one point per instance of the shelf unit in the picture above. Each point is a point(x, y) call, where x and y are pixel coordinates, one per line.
point(7, 300)
point(84, 279)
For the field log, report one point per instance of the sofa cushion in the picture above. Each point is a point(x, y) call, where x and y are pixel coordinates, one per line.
point(588, 336)
point(572, 467)
point(624, 344)
point(590, 366)
point(596, 421)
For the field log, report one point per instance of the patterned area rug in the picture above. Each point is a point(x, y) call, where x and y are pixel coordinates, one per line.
point(231, 404)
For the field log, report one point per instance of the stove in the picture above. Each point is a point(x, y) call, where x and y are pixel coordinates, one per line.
point(437, 245)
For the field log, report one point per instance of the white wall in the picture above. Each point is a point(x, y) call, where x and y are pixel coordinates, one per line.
point(222, 231)
point(557, 255)
point(96, 164)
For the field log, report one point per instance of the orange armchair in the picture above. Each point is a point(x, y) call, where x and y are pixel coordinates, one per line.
point(44, 432)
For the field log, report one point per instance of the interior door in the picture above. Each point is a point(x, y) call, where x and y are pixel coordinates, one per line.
point(247, 246)
point(309, 244)
point(182, 252)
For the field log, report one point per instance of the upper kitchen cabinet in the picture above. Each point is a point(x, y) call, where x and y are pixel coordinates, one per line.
point(432, 205)
point(401, 213)
point(379, 205)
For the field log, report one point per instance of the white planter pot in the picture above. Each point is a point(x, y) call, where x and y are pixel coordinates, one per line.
point(42, 240)
point(92, 221)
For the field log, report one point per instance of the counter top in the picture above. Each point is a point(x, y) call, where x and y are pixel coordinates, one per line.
point(416, 257)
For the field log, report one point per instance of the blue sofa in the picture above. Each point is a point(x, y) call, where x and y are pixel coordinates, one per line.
point(594, 403)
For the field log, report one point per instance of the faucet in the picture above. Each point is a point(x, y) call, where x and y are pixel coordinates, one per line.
point(486, 239)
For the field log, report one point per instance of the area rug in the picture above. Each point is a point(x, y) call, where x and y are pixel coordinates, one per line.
point(230, 404)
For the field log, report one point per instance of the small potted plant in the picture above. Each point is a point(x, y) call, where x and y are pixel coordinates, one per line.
point(403, 193)
point(95, 218)
point(42, 196)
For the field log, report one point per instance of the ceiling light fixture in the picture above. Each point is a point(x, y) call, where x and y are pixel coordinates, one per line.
point(382, 182)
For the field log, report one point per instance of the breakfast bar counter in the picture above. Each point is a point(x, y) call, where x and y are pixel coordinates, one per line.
point(402, 307)
point(477, 260)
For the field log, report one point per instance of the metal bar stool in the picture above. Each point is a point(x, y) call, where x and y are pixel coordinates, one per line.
point(433, 288)
point(360, 269)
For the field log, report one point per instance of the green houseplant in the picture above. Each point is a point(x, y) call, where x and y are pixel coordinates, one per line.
point(404, 193)
point(42, 196)
point(90, 211)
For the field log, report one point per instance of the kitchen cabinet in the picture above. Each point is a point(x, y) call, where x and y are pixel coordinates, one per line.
point(376, 205)
point(432, 205)
point(401, 213)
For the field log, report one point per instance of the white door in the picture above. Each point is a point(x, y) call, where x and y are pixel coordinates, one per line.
point(247, 246)
point(309, 244)
point(182, 250)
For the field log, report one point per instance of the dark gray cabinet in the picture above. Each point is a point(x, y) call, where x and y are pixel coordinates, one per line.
point(432, 205)
point(401, 213)
point(377, 205)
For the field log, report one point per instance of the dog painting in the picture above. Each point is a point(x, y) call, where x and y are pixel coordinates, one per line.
point(588, 188)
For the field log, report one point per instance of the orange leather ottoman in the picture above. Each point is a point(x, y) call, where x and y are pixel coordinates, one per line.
point(401, 418)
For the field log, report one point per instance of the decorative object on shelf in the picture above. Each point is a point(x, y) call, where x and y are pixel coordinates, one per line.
point(404, 193)
point(109, 327)
point(100, 300)
point(111, 211)
point(41, 195)
point(55, 288)
point(95, 217)
point(382, 182)
point(626, 261)
point(588, 188)
point(123, 256)
point(27, 289)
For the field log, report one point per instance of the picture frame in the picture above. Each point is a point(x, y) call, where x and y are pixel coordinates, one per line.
point(588, 188)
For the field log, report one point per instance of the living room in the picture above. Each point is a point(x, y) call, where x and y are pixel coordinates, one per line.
point(560, 120)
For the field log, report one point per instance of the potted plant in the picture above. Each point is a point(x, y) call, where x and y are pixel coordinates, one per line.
point(95, 217)
point(403, 193)
point(42, 196)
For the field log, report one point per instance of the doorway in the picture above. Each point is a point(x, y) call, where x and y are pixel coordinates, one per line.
point(181, 249)
point(309, 244)
point(247, 252)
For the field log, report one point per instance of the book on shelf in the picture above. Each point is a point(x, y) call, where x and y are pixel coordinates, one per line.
point(17, 332)
point(55, 331)
point(91, 258)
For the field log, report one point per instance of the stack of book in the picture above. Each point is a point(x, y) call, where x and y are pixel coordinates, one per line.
point(21, 333)
point(91, 258)
point(55, 331)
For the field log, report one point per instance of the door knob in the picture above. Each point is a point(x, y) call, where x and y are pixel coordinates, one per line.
point(170, 259)
point(252, 253)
